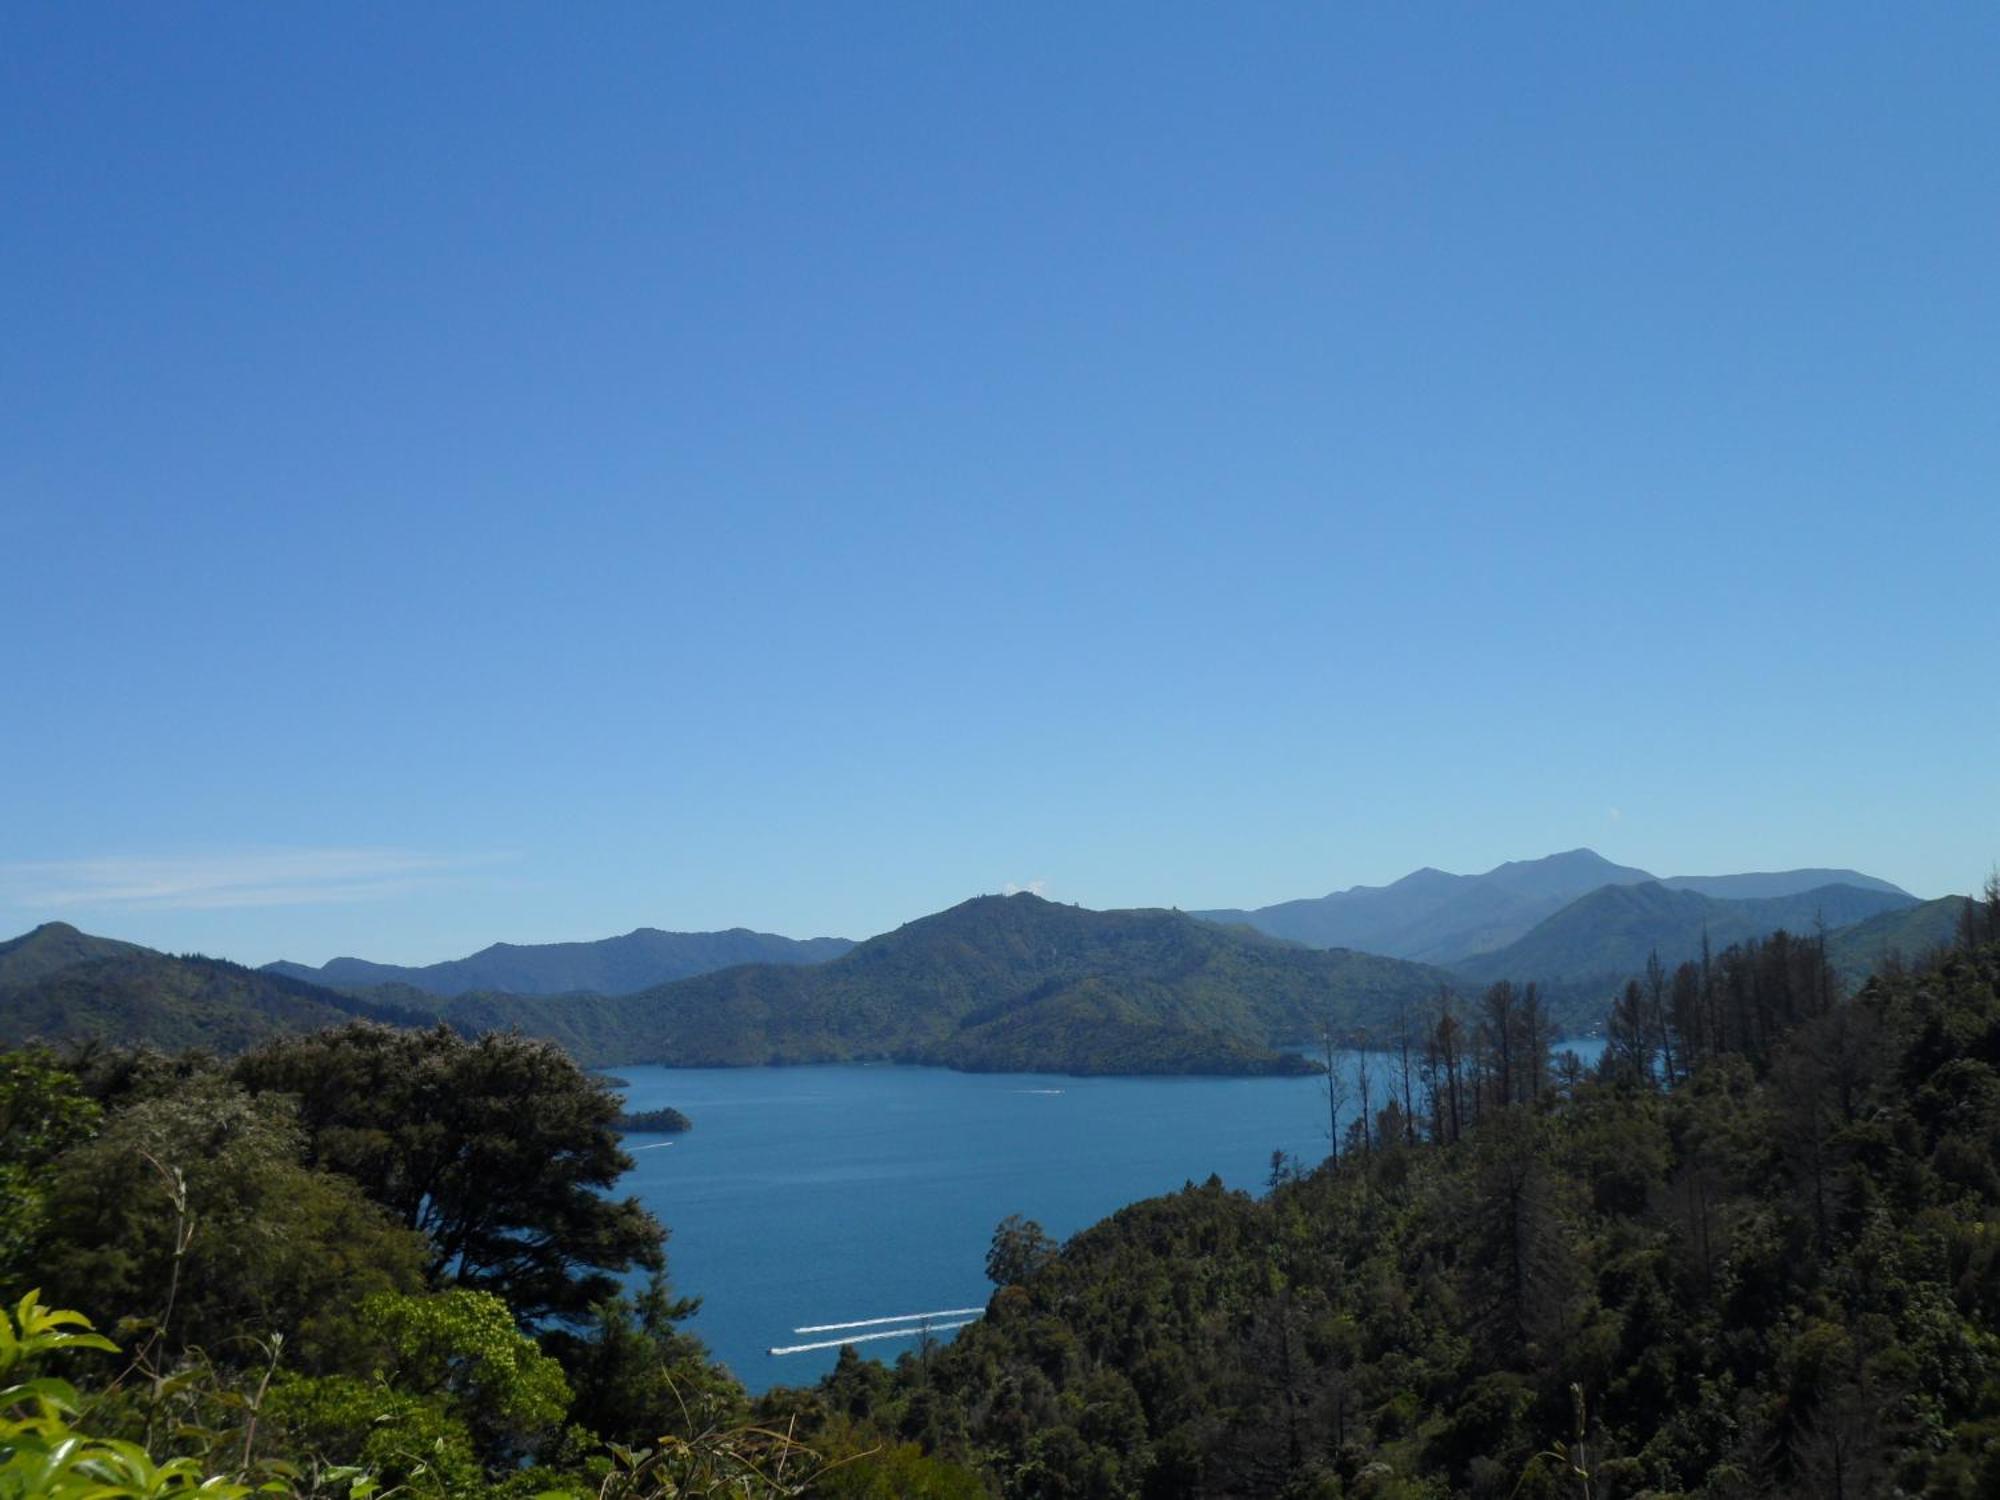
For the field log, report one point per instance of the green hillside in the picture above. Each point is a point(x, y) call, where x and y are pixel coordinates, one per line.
point(81, 988)
point(54, 946)
point(1605, 937)
point(1905, 935)
point(1011, 982)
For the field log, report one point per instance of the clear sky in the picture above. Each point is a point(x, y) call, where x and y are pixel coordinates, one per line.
point(532, 471)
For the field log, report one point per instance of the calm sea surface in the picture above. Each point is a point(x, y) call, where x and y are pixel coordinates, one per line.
point(834, 1194)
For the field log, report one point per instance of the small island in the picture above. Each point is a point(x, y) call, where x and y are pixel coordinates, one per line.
point(654, 1122)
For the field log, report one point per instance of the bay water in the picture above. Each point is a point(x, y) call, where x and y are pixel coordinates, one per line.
point(809, 1196)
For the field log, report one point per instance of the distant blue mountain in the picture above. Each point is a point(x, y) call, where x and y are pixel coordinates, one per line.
point(611, 966)
point(1767, 887)
point(1435, 917)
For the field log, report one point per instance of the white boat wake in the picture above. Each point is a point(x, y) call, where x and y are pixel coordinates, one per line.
point(942, 1312)
point(862, 1338)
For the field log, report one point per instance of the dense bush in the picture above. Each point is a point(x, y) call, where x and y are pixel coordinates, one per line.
point(365, 1262)
point(1769, 1266)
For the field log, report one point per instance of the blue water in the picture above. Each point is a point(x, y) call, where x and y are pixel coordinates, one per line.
point(831, 1194)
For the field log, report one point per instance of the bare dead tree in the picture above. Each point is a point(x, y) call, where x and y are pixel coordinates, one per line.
point(1336, 1093)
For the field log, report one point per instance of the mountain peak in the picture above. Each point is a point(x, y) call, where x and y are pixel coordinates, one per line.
point(1566, 859)
point(54, 946)
point(1570, 874)
point(989, 901)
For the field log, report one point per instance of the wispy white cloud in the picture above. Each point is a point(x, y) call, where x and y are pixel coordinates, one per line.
point(1031, 888)
point(211, 882)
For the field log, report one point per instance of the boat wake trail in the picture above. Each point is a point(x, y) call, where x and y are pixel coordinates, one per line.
point(943, 1312)
point(862, 1338)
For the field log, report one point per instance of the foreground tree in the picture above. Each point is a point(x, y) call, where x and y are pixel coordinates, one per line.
point(43, 1112)
point(1020, 1248)
point(637, 1376)
point(190, 1216)
point(457, 1398)
point(497, 1150)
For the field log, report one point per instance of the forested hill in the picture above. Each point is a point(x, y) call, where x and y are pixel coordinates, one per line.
point(1896, 939)
point(1596, 943)
point(53, 946)
point(119, 993)
point(1000, 983)
point(1758, 1254)
point(611, 966)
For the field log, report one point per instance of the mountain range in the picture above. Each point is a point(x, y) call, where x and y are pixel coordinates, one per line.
point(999, 983)
point(611, 966)
point(995, 983)
point(1435, 917)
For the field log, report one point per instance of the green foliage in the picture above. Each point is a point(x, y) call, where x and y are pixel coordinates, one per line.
point(1782, 1276)
point(30, 1332)
point(638, 1376)
point(424, 1428)
point(281, 1346)
point(496, 1150)
point(733, 1463)
point(465, 1344)
point(859, 1465)
point(407, 1444)
point(459, 1394)
point(43, 1112)
point(42, 1454)
point(1020, 1249)
point(191, 1213)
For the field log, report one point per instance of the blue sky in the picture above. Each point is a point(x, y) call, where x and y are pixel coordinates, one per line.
point(528, 472)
